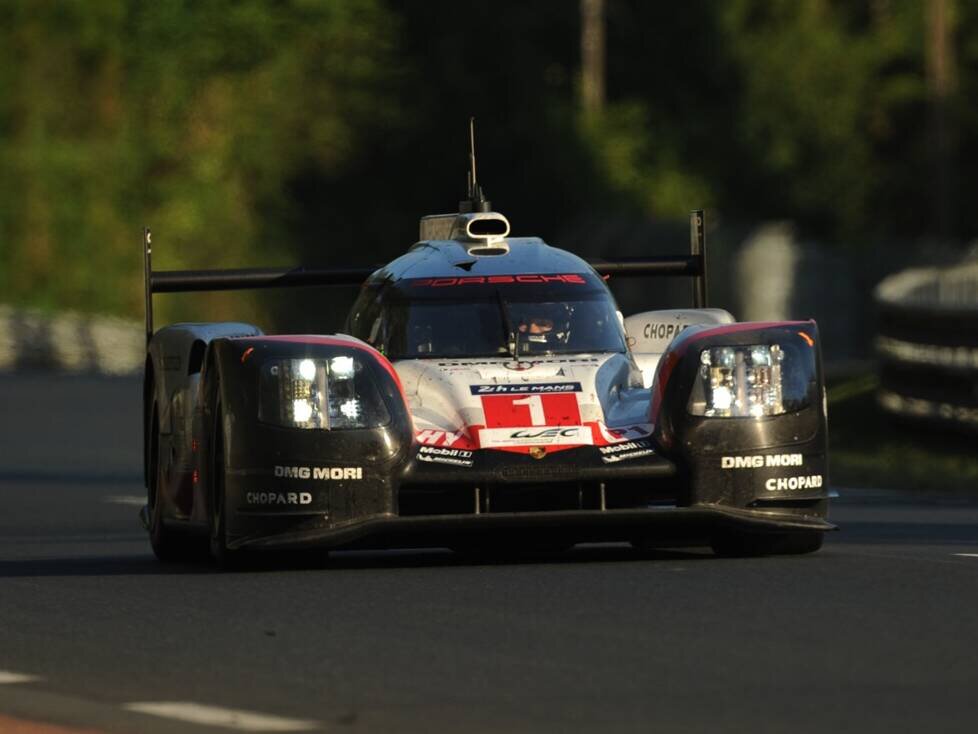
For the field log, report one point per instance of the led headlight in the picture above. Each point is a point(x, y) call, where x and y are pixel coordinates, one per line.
point(320, 392)
point(749, 381)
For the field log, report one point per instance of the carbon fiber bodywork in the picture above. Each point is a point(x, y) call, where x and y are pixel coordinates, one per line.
point(631, 463)
point(359, 488)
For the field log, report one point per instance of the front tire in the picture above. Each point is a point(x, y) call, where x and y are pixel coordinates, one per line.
point(739, 544)
point(168, 545)
point(225, 557)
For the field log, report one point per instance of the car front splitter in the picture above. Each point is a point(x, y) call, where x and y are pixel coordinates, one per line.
point(433, 531)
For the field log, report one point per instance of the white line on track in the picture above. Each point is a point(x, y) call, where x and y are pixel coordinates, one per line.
point(966, 555)
point(8, 676)
point(125, 499)
point(196, 713)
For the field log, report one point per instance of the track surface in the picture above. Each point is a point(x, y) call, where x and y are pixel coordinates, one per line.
point(878, 632)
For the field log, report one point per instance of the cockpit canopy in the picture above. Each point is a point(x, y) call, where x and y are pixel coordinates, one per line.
point(488, 316)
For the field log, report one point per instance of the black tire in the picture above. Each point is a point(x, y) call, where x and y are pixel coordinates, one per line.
point(226, 558)
point(168, 545)
point(734, 544)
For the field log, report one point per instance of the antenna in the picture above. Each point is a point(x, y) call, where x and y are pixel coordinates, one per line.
point(148, 280)
point(697, 248)
point(477, 201)
point(473, 181)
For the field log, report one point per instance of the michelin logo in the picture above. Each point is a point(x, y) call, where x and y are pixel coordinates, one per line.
point(625, 451)
point(438, 455)
point(761, 461)
point(335, 473)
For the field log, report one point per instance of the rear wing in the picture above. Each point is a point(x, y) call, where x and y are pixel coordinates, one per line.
point(187, 281)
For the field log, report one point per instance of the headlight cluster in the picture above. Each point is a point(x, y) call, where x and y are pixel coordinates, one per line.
point(321, 393)
point(748, 382)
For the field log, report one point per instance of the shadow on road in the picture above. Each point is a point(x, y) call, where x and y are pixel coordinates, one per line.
point(97, 566)
point(428, 558)
point(853, 533)
point(147, 565)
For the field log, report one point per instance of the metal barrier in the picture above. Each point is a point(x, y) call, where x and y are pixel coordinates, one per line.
point(927, 344)
point(33, 341)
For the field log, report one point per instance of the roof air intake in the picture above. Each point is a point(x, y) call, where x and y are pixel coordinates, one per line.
point(475, 223)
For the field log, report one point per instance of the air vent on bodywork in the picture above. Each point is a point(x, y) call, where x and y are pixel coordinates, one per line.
point(484, 233)
point(487, 227)
point(488, 230)
point(488, 250)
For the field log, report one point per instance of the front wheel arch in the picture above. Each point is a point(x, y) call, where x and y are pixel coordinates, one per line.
point(168, 545)
point(225, 557)
point(149, 406)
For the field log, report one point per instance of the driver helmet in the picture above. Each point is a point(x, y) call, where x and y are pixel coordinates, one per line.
point(544, 327)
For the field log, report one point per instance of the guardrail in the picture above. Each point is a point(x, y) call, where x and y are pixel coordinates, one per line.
point(69, 343)
point(927, 344)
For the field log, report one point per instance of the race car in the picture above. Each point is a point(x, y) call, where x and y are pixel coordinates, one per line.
point(487, 394)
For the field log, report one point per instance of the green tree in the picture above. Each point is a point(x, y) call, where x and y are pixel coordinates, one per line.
point(189, 116)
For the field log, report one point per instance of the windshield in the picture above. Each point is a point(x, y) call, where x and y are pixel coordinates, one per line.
point(497, 327)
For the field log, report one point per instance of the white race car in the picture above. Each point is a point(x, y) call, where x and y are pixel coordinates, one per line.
point(488, 394)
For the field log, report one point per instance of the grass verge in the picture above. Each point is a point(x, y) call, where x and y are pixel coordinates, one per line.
point(869, 448)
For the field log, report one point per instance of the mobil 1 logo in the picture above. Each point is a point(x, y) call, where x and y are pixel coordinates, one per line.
point(442, 455)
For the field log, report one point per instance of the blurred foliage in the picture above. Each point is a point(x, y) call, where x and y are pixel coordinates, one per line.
point(257, 132)
point(193, 117)
point(869, 448)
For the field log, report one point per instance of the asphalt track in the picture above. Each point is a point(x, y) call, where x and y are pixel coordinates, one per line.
point(877, 632)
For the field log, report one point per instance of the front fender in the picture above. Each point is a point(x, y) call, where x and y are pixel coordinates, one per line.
point(778, 461)
point(280, 478)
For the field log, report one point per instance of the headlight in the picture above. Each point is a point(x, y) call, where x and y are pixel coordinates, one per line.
point(752, 381)
point(320, 392)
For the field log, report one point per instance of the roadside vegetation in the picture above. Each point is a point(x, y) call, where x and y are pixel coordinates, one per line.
point(253, 132)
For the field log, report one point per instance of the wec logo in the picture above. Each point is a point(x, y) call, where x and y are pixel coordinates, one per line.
point(319, 472)
point(548, 433)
